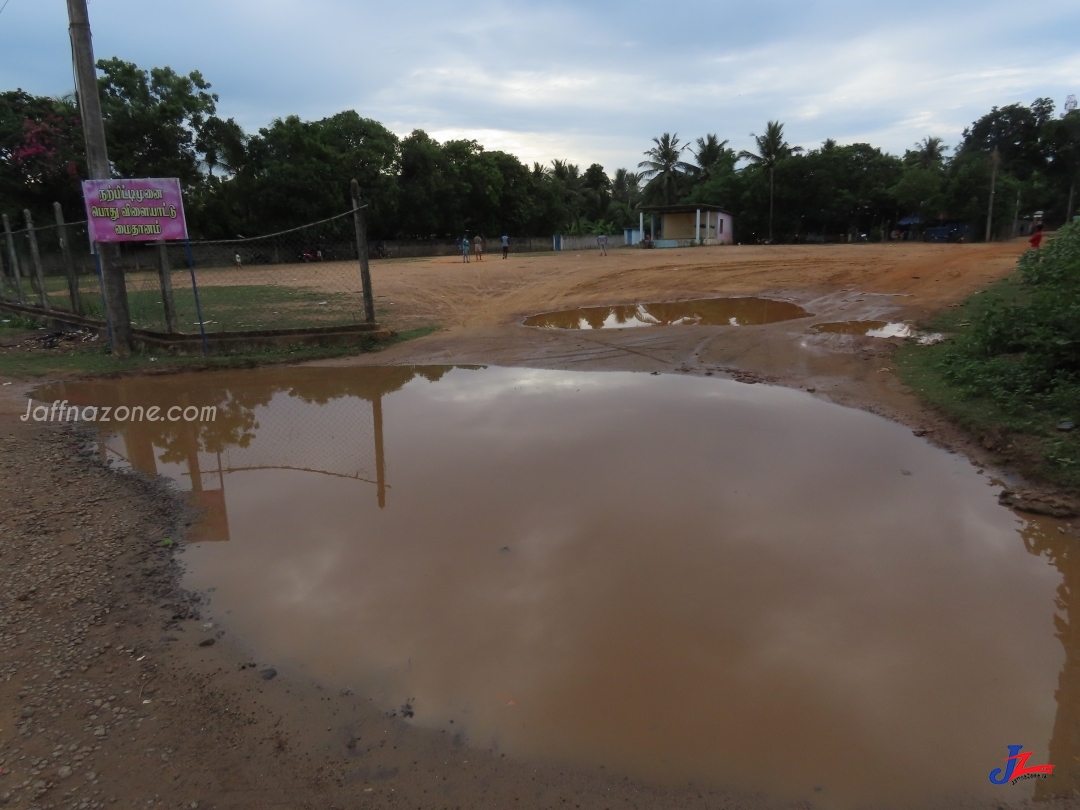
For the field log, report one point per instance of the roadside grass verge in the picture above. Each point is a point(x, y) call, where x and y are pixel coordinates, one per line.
point(90, 360)
point(1009, 368)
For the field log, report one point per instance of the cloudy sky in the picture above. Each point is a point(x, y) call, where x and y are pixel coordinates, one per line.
point(585, 81)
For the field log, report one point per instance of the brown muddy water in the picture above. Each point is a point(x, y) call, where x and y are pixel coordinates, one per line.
point(675, 578)
point(880, 329)
point(747, 311)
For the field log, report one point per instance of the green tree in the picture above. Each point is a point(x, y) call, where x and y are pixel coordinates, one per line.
point(713, 157)
point(1061, 137)
point(41, 154)
point(665, 170)
point(771, 149)
point(154, 119)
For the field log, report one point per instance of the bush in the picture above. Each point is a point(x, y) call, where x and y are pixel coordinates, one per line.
point(1024, 353)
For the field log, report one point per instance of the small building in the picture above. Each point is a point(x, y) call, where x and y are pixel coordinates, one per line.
point(684, 225)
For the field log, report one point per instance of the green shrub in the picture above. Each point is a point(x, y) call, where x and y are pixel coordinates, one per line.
point(1023, 353)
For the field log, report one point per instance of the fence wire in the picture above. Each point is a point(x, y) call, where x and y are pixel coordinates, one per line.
point(301, 278)
point(19, 280)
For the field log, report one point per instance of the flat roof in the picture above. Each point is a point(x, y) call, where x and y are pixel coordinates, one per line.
point(681, 209)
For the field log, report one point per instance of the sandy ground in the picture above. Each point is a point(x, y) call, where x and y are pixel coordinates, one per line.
point(114, 693)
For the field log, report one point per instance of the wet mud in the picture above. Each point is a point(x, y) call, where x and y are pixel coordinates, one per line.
point(682, 579)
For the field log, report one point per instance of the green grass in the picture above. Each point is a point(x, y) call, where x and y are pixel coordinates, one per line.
point(1020, 424)
point(247, 307)
point(97, 360)
point(224, 308)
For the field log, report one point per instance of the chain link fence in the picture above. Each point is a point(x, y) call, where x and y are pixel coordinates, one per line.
point(36, 270)
point(301, 278)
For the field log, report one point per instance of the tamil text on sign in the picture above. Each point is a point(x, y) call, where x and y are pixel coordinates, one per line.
point(144, 210)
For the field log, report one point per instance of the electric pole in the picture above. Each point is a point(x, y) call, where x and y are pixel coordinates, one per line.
point(995, 158)
point(97, 165)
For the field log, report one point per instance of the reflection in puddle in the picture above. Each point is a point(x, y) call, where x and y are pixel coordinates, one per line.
point(878, 329)
point(708, 311)
point(683, 579)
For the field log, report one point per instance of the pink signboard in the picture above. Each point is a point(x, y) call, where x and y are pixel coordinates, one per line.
point(145, 210)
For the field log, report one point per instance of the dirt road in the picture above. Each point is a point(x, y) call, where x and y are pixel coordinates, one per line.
point(499, 292)
point(113, 692)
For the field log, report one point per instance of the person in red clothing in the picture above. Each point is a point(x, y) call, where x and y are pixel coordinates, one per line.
point(1036, 238)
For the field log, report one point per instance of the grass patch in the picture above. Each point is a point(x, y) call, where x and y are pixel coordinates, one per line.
point(89, 360)
point(246, 307)
point(1009, 370)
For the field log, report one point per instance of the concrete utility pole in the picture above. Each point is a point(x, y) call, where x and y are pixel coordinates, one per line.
point(362, 251)
point(995, 157)
point(97, 164)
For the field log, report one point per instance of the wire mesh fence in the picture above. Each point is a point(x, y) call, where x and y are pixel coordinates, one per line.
point(36, 270)
point(301, 278)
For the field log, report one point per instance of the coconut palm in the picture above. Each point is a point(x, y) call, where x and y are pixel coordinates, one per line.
point(930, 152)
point(771, 149)
point(711, 155)
point(664, 167)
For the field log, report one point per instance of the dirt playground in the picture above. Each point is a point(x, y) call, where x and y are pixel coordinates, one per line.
point(114, 692)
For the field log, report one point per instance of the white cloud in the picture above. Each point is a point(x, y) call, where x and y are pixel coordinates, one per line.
point(587, 82)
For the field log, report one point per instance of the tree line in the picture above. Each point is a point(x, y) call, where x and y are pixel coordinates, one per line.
point(163, 124)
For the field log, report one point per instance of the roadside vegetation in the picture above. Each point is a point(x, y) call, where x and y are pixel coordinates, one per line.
point(1009, 369)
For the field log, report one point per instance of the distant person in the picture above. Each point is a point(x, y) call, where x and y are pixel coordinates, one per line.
point(1036, 238)
point(506, 245)
point(318, 255)
point(601, 240)
point(478, 248)
point(464, 249)
point(239, 264)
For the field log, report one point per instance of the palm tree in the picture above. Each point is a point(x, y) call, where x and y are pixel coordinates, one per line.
point(710, 155)
point(930, 152)
point(771, 149)
point(626, 186)
point(664, 167)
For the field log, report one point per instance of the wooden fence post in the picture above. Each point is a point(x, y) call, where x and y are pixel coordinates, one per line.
point(165, 277)
point(35, 257)
point(17, 275)
point(69, 262)
point(362, 251)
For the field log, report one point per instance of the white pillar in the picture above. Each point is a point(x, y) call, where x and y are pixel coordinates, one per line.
point(708, 223)
point(697, 227)
point(641, 226)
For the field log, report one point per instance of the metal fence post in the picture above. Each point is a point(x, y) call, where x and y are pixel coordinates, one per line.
point(14, 260)
point(362, 252)
point(69, 263)
point(165, 277)
point(198, 306)
point(35, 257)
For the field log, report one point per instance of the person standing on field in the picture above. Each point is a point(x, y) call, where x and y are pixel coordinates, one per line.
point(506, 245)
point(465, 249)
point(478, 248)
point(1036, 238)
point(601, 240)
point(238, 264)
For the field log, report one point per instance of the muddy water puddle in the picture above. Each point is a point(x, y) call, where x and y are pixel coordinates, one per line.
point(879, 329)
point(678, 579)
point(747, 311)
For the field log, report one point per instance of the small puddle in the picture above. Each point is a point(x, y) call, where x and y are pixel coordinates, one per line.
point(680, 579)
point(878, 329)
point(746, 311)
